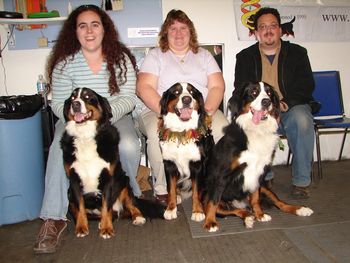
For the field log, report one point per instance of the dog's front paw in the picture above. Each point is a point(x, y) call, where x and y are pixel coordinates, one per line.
point(170, 214)
point(249, 221)
point(211, 226)
point(197, 216)
point(264, 218)
point(81, 231)
point(106, 233)
point(139, 221)
point(304, 211)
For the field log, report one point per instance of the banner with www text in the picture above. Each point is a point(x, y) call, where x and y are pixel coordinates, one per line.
point(301, 23)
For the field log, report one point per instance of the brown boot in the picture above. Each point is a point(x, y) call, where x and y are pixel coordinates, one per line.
point(49, 236)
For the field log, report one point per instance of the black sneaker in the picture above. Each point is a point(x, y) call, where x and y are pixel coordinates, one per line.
point(300, 192)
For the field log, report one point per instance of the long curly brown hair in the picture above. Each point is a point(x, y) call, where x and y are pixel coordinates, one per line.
point(113, 50)
point(180, 16)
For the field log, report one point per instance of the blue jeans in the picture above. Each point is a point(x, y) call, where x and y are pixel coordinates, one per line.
point(55, 201)
point(297, 125)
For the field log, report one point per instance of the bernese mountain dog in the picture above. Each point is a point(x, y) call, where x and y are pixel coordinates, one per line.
point(235, 179)
point(185, 141)
point(98, 184)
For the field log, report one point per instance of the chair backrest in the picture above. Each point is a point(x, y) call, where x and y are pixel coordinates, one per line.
point(328, 92)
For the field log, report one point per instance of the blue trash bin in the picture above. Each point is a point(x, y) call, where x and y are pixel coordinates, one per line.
point(21, 168)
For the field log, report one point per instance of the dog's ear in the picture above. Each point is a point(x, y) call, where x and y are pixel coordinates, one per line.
point(106, 108)
point(275, 99)
point(201, 103)
point(201, 109)
point(164, 102)
point(235, 103)
point(276, 103)
point(66, 108)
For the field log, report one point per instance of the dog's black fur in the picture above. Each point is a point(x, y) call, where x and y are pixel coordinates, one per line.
point(241, 157)
point(287, 28)
point(98, 183)
point(186, 141)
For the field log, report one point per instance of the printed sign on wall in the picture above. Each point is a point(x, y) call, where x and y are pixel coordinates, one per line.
point(317, 23)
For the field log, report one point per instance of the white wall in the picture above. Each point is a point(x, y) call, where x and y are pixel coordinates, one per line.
point(215, 23)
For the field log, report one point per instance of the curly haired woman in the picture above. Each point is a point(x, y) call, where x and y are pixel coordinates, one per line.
point(88, 53)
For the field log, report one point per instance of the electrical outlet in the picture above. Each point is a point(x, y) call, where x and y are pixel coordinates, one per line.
point(11, 37)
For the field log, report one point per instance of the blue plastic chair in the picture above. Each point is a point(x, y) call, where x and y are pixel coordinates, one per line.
point(331, 118)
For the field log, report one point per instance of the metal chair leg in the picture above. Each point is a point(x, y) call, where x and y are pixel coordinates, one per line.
point(318, 146)
point(146, 154)
point(342, 144)
point(289, 157)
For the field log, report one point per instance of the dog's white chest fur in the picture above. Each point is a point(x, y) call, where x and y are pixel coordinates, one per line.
point(262, 141)
point(88, 163)
point(181, 155)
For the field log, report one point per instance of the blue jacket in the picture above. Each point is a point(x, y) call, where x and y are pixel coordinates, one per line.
point(295, 77)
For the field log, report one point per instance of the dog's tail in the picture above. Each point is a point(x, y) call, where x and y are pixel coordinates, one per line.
point(149, 208)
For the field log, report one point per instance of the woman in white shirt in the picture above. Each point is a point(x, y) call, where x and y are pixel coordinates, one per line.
point(177, 59)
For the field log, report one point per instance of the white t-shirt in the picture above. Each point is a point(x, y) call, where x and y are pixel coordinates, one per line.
point(170, 69)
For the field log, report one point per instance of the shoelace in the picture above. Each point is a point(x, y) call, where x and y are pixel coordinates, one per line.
point(48, 229)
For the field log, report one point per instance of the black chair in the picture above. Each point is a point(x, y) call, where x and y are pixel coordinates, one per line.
point(331, 118)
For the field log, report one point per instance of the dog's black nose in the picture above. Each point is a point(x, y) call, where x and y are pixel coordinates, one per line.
point(186, 100)
point(76, 106)
point(266, 102)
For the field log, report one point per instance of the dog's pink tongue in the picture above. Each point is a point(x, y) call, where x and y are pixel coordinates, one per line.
point(185, 114)
point(257, 115)
point(78, 117)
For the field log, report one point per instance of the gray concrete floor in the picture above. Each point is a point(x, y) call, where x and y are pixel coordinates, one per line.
point(171, 241)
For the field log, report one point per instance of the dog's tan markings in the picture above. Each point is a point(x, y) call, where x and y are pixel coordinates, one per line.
point(210, 223)
point(287, 208)
point(196, 204)
point(166, 134)
point(70, 117)
point(67, 168)
point(234, 163)
point(246, 108)
point(254, 200)
point(242, 213)
point(172, 105)
point(81, 227)
point(96, 112)
point(112, 168)
point(106, 225)
point(126, 199)
point(172, 194)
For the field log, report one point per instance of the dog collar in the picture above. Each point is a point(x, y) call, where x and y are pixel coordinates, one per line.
point(184, 136)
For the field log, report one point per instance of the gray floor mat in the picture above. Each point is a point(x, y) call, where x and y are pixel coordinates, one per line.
point(324, 202)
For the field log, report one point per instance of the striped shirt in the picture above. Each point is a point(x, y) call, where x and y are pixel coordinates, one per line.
point(76, 73)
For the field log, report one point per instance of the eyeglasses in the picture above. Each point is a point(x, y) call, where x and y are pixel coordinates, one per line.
point(266, 27)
